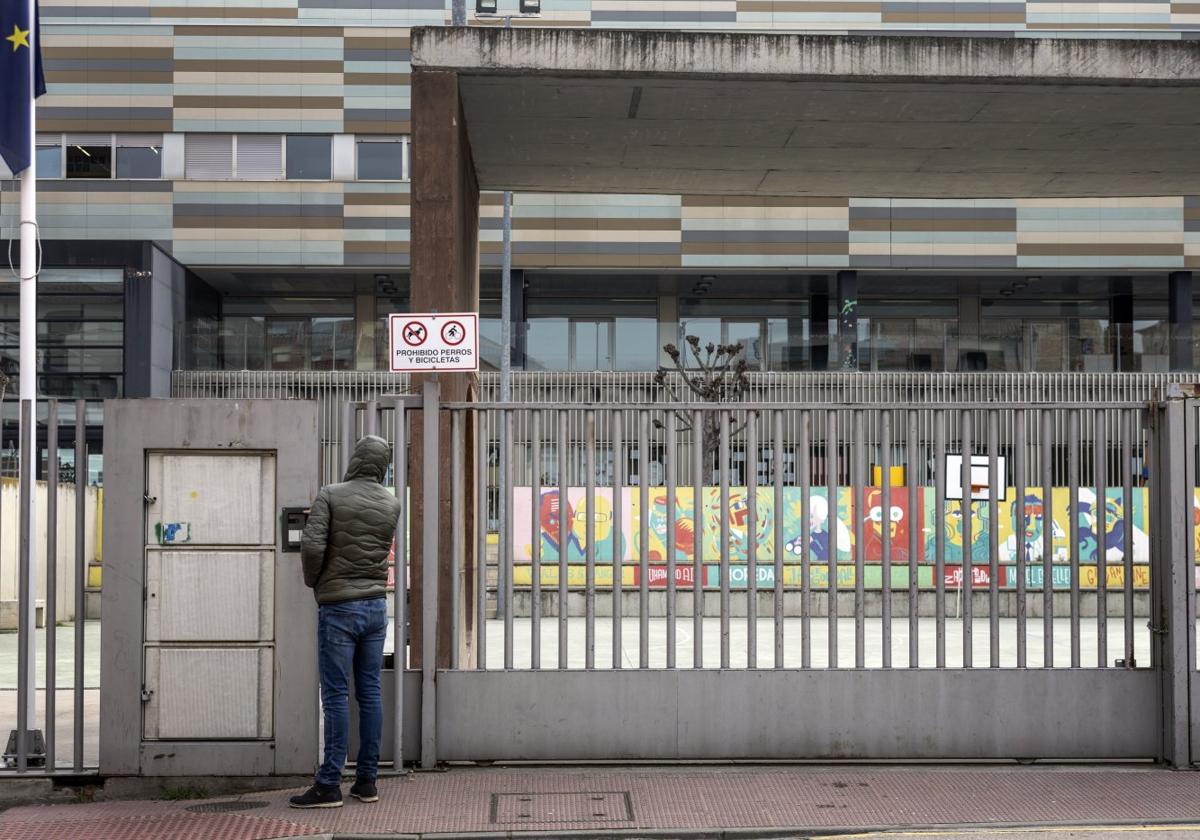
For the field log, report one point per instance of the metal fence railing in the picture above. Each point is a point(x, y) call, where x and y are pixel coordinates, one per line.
point(334, 388)
point(845, 546)
point(50, 707)
point(639, 386)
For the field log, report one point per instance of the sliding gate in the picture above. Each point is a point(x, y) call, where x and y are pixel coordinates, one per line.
point(828, 598)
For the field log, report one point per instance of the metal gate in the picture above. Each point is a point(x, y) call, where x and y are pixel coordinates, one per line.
point(766, 627)
point(822, 605)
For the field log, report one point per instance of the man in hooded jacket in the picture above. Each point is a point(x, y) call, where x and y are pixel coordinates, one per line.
point(344, 551)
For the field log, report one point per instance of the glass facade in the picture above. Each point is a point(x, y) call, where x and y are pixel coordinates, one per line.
point(578, 321)
point(287, 333)
point(80, 333)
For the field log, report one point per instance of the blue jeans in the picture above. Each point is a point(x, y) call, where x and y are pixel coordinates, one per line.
point(350, 636)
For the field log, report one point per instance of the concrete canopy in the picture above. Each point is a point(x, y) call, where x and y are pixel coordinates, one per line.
point(595, 111)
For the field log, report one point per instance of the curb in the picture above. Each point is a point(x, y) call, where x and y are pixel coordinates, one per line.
point(760, 833)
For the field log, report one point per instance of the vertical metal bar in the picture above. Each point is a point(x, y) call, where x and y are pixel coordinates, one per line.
point(911, 478)
point(671, 516)
point(723, 468)
point(643, 539)
point(618, 532)
point(26, 667)
point(1046, 439)
point(1073, 528)
point(1100, 466)
point(1020, 535)
point(939, 527)
point(589, 530)
point(804, 468)
point(777, 521)
point(483, 445)
point(504, 596)
point(832, 479)
point(81, 485)
point(371, 420)
point(751, 462)
point(457, 539)
point(400, 588)
point(699, 457)
point(51, 620)
point(535, 540)
point(885, 522)
point(1127, 549)
point(993, 528)
point(967, 587)
point(346, 430)
point(430, 476)
point(564, 511)
point(858, 471)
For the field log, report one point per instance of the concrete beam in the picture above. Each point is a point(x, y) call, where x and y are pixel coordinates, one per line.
point(726, 55)
point(818, 115)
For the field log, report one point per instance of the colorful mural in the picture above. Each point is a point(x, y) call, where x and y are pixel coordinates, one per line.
point(898, 520)
point(1006, 579)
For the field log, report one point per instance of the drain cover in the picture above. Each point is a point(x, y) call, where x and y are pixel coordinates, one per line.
point(221, 807)
point(592, 806)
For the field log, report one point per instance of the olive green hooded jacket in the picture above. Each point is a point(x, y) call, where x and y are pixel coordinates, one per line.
point(350, 527)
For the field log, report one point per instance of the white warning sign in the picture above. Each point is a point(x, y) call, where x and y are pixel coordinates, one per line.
point(434, 341)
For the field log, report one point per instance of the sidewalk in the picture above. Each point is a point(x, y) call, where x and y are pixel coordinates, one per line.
point(761, 801)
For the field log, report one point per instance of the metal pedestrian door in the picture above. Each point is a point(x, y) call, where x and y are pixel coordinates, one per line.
point(801, 581)
point(206, 618)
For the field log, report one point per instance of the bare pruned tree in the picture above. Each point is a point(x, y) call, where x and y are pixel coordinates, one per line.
point(717, 375)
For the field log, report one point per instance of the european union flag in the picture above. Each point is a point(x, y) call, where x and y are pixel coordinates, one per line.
point(20, 56)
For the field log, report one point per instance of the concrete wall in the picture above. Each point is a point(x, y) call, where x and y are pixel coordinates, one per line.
point(9, 541)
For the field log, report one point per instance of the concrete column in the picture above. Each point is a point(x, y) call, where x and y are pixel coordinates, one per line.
point(445, 277)
point(668, 326)
point(818, 309)
point(155, 298)
point(847, 297)
point(1179, 315)
point(365, 325)
point(1122, 319)
point(519, 324)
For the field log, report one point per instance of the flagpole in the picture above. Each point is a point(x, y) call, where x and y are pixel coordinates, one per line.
point(27, 374)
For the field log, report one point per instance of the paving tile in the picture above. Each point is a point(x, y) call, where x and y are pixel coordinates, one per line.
point(658, 797)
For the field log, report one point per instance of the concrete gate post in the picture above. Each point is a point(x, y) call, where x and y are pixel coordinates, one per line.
point(1172, 585)
point(445, 278)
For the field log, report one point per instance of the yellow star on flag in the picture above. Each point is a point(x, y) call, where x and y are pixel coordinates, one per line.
point(19, 37)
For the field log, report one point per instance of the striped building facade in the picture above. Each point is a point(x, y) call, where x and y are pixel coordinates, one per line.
point(226, 91)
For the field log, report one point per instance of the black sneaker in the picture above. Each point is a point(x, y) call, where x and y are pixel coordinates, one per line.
point(364, 791)
point(318, 796)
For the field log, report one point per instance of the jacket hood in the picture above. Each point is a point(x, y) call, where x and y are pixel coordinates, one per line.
point(370, 459)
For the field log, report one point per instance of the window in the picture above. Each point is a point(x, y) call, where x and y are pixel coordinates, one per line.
point(139, 156)
point(591, 343)
point(566, 343)
point(89, 156)
point(907, 335)
point(221, 157)
point(309, 157)
point(259, 157)
point(49, 156)
point(208, 157)
point(1044, 334)
point(382, 159)
point(287, 333)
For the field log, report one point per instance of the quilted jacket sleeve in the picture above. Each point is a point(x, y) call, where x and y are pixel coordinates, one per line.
point(315, 540)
